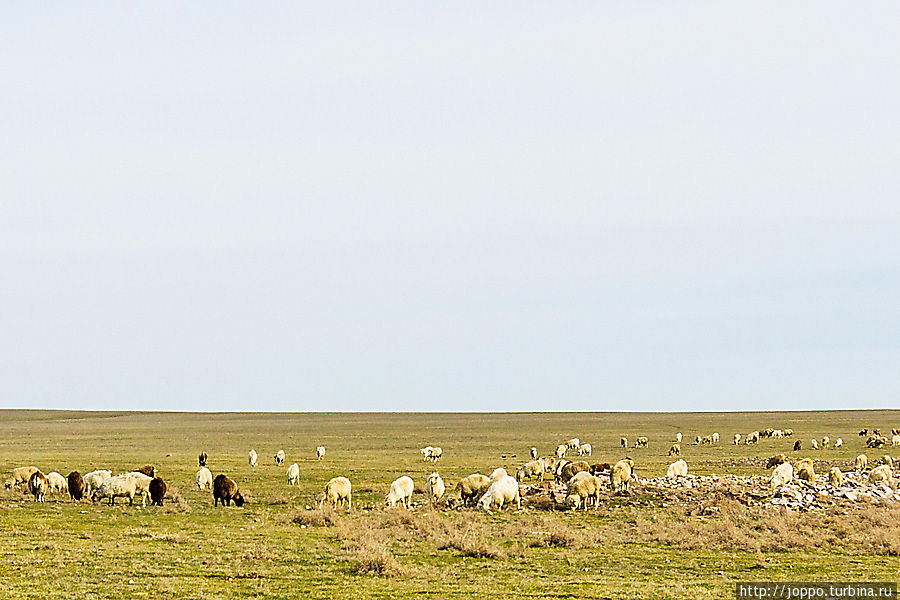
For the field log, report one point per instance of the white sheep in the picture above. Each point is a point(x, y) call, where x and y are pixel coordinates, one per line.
point(531, 469)
point(737, 439)
point(204, 479)
point(561, 451)
point(502, 491)
point(533, 453)
point(715, 437)
point(426, 453)
point(678, 437)
point(142, 485)
point(782, 475)
point(498, 473)
point(58, 483)
point(120, 486)
point(293, 474)
point(435, 488)
point(252, 458)
point(436, 453)
point(573, 443)
point(838, 443)
point(401, 491)
point(279, 457)
point(882, 473)
point(20, 476)
point(835, 477)
point(338, 490)
point(862, 462)
point(585, 450)
point(93, 480)
point(582, 488)
point(623, 442)
point(752, 438)
point(814, 443)
point(895, 440)
point(679, 468)
point(621, 474)
point(320, 452)
point(826, 441)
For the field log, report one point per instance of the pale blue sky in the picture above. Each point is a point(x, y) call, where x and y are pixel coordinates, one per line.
point(420, 206)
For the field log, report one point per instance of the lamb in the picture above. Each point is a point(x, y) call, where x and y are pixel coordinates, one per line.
point(715, 437)
point(805, 470)
point(320, 452)
point(776, 460)
point(835, 477)
point(641, 442)
point(561, 451)
point(472, 487)
point(881, 474)
point(798, 445)
point(204, 479)
point(737, 439)
point(675, 450)
point(226, 490)
point(75, 484)
point(279, 457)
point(534, 468)
point(533, 453)
point(157, 491)
point(20, 475)
point(93, 480)
point(623, 442)
point(148, 470)
point(862, 462)
point(679, 468)
point(621, 474)
point(401, 491)
point(201, 460)
point(337, 492)
point(120, 486)
point(58, 483)
point(38, 485)
point(573, 443)
point(142, 483)
point(498, 473)
point(252, 458)
point(783, 474)
point(293, 474)
point(435, 488)
point(838, 443)
point(814, 443)
point(585, 450)
point(678, 438)
point(582, 488)
point(569, 470)
point(502, 491)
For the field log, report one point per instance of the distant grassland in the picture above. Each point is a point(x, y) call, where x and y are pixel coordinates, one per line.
point(275, 548)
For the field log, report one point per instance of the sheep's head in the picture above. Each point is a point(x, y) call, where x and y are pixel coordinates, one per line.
point(573, 500)
point(238, 499)
point(9, 483)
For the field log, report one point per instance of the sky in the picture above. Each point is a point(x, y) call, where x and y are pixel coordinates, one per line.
point(450, 206)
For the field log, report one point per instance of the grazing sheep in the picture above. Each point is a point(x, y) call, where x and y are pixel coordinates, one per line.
point(201, 460)
point(581, 489)
point(876, 442)
point(752, 438)
point(675, 450)
point(641, 442)
point(157, 491)
point(783, 474)
point(698, 440)
point(838, 443)
point(434, 487)
point(320, 452)
point(569, 470)
point(863, 432)
point(436, 453)
point(585, 450)
point(148, 470)
point(401, 491)
point(226, 490)
point(805, 470)
point(715, 437)
point(120, 486)
point(337, 492)
point(204, 479)
point(472, 487)
point(502, 491)
point(252, 458)
point(38, 485)
point(20, 476)
point(707, 440)
point(798, 445)
point(895, 440)
point(76, 486)
point(561, 451)
point(737, 439)
point(531, 469)
point(788, 432)
point(279, 457)
point(498, 473)
point(558, 467)
point(548, 462)
point(678, 438)
point(533, 453)
point(882, 473)
point(826, 441)
point(814, 444)
point(293, 474)
point(885, 460)
point(93, 480)
point(142, 485)
point(623, 442)
point(862, 463)
point(58, 483)
point(776, 460)
point(621, 474)
point(573, 443)
point(777, 434)
point(835, 477)
point(426, 453)
point(679, 468)
point(601, 469)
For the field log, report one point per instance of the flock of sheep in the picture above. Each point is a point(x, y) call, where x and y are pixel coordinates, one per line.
point(583, 481)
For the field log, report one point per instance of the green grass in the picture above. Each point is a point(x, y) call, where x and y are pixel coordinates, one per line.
point(630, 548)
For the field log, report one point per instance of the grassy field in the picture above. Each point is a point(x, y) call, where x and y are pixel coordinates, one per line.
point(635, 546)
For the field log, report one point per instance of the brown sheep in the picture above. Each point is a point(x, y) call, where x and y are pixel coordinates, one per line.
point(76, 486)
point(805, 470)
point(776, 460)
point(601, 469)
point(226, 490)
point(569, 471)
point(675, 450)
point(158, 492)
point(38, 485)
point(148, 470)
point(798, 446)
